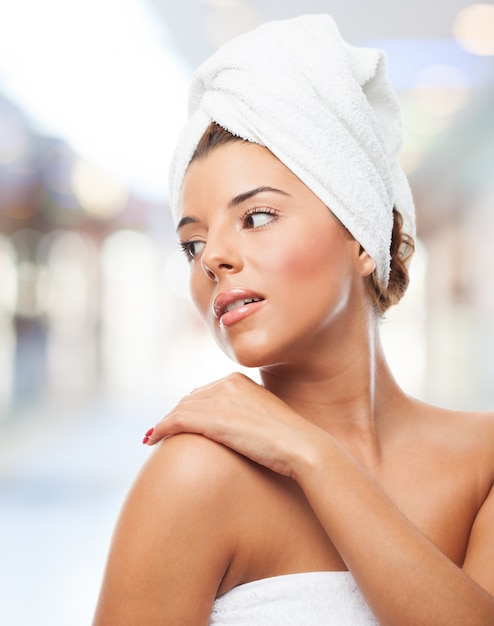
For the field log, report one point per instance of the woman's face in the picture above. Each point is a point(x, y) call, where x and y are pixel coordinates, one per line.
point(272, 270)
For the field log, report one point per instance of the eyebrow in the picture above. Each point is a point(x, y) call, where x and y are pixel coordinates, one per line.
point(189, 219)
point(242, 197)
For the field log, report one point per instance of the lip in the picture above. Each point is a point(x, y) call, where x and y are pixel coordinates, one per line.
point(226, 298)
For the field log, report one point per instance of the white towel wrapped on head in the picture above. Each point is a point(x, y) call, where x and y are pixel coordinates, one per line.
point(324, 108)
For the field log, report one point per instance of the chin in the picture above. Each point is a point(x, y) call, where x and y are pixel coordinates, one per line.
point(254, 350)
point(247, 356)
point(252, 357)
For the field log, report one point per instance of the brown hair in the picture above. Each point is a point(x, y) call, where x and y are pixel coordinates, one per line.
point(213, 136)
point(402, 249)
point(402, 245)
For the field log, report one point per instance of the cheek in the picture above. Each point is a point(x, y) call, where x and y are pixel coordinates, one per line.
point(307, 259)
point(199, 293)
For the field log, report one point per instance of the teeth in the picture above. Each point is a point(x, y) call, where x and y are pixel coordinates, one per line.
point(237, 303)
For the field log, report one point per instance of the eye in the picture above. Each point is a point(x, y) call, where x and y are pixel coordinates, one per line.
point(256, 218)
point(192, 248)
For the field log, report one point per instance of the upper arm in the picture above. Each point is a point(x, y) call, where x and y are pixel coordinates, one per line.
point(479, 559)
point(171, 546)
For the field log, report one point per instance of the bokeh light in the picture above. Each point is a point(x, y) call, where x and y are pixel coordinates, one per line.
point(101, 195)
point(474, 28)
point(441, 89)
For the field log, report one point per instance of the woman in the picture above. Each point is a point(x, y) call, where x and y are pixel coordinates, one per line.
point(325, 495)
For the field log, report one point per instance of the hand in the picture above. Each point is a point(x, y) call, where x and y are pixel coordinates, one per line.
point(238, 413)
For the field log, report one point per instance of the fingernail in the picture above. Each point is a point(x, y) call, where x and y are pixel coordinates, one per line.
point(147, 436)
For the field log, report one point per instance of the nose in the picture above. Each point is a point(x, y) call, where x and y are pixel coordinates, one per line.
point(220, 256)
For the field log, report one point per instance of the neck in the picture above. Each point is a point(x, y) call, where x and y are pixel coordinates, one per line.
point(350, 395)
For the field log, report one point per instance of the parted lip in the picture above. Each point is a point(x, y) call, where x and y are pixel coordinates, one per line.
point(226, 298)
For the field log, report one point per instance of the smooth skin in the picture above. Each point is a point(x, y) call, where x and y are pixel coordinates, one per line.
point(327, 465)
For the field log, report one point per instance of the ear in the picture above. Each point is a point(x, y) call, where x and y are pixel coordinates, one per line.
point(366, 265)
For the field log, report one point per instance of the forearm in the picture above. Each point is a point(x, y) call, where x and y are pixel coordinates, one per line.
point(404, 577)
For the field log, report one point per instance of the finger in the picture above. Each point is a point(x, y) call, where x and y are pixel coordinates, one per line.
point(177, 421)
point(156, 433)
point(162, 430)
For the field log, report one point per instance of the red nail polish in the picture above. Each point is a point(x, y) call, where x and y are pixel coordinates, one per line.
point(150, 432)
point(145, 440)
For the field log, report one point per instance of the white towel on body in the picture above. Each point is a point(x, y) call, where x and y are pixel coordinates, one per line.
point(325, 108)
point(306, 599)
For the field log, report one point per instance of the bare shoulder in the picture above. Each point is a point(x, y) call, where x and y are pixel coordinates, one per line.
point(176, 532)
point(467, 434)
point(195, 464)
point(460, 446)
point(477, 431)
point(441, 417)
point(189, 477)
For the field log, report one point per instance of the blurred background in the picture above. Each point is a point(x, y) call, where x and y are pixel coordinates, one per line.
point(98, 338)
